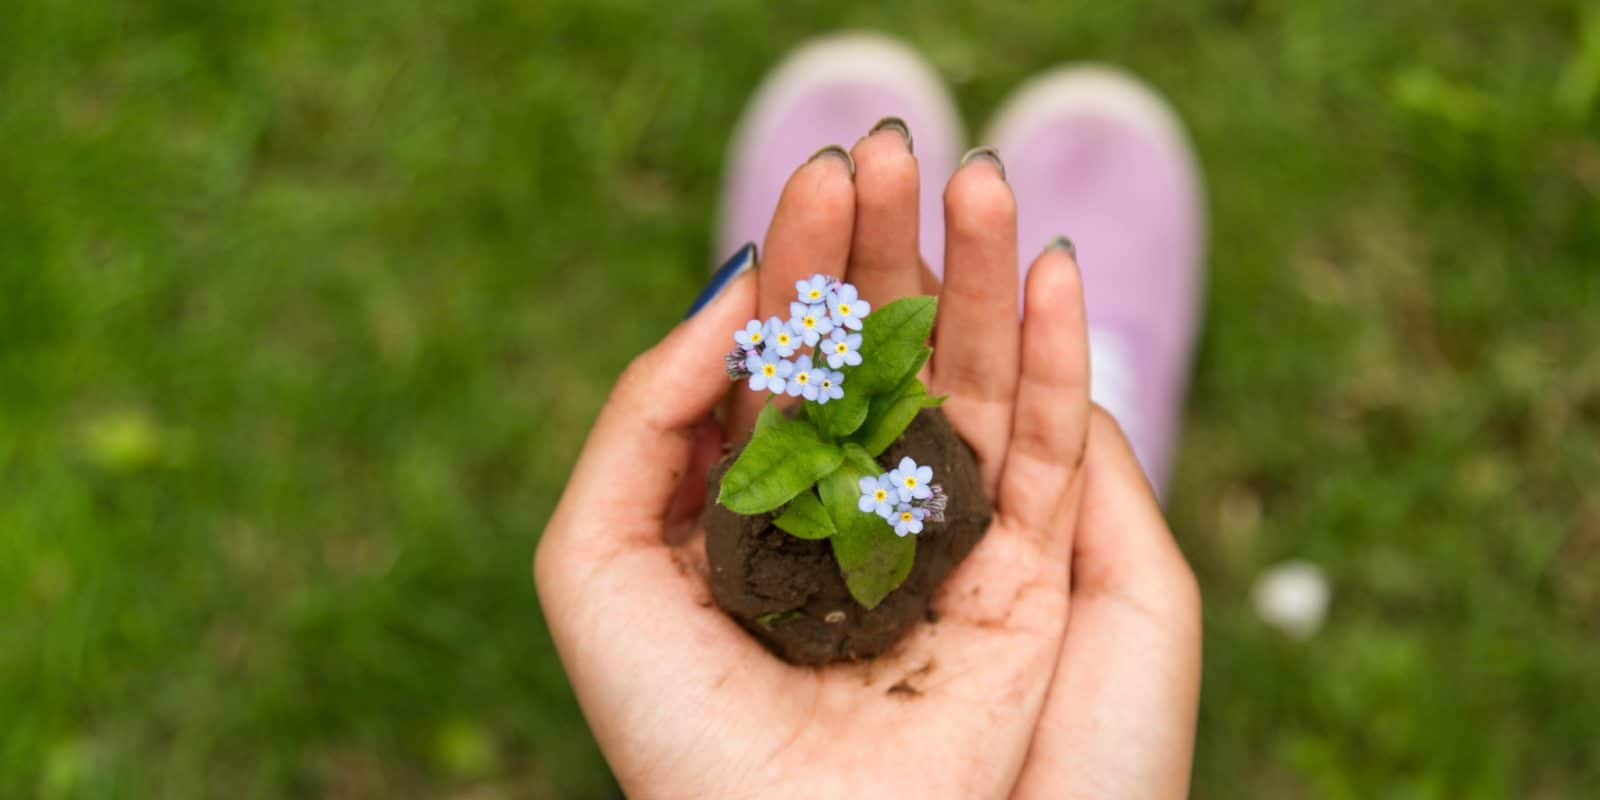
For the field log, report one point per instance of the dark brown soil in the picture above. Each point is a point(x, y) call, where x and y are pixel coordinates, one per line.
point(788, 592)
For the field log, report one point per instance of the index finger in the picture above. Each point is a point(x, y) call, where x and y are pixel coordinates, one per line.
point(809, 235)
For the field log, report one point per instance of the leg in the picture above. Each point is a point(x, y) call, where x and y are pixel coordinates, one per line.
point(1093, 154)
point(832, 91)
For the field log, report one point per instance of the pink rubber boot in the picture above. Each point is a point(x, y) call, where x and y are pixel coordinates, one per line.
point(833, 91)
point(1095, 155)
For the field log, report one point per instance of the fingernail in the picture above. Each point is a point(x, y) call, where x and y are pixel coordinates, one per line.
point(1063, 243)
point(894, 124)
point(741, 262)
point(836, 150)
point(987, 153)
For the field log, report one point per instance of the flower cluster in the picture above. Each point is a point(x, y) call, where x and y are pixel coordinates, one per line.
point(905, 497)
point(823, 317)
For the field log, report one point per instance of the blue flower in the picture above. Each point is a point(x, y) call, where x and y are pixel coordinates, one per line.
point(877, 496)
point(907, 519)
point(767, 371)
point(781, 338)
point(804, 380)
point(828, 387)
point(809, 322)
point(911, 481)
point(842, 347)
point(814, 290)
point(752, 336)
point(846, 309)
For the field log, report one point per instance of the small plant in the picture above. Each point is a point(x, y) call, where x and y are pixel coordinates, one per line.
point(817, 471)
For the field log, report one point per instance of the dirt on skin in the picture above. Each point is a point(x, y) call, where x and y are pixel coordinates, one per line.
point(789, 593)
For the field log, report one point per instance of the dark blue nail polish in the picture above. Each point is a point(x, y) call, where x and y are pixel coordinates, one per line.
point(741, 262)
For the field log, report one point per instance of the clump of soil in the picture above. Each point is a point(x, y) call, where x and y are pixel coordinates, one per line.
point(788, 592)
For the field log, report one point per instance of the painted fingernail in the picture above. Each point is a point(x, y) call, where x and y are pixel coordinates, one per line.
point(741, 262)
point(894, 124)
point(1063, 243)
point(986, 153)
point(836, 150)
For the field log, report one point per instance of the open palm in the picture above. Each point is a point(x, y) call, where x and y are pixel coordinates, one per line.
point(686, 704)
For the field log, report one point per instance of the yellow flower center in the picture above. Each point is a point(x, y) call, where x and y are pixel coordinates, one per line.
point(783, 338)
point(814, 294)
point(804, 377)
point(755, 337)
point(769, 370)
point(809, 322)
point(880, 495)
point(911, 483)
point(844, 308)
point(905, 516)
point(827, 384)
point(841, 348)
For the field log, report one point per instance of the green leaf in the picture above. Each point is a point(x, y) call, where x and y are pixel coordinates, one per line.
point(841, 417)
point(872, 559)
point(889, 415)
point(781, 461)
point(934, 400)
point(769, 416)
point(894, 346)
point(805, 518)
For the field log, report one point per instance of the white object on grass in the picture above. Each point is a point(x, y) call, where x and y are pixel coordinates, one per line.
point(1293, 597)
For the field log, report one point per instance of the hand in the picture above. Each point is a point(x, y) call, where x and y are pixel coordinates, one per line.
point(1120, 717)
point(684, 703)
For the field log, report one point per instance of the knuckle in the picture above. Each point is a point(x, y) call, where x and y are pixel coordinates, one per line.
point(1038, 433)
point(967, 378)
point(635, 377)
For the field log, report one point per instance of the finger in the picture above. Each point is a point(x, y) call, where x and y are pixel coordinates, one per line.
point(975, 362)
point(689, 500)
point(884, 265)
point(809, 235)
point(928, 281)
point(1120, 716)
point(1050, 420)
point(646, 433)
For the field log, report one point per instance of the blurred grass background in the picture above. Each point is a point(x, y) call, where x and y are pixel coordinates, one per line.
point(305, 309)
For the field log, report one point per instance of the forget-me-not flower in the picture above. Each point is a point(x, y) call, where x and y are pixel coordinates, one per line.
point(911, 481)
point(803, 380)
point(907, 519)
point(846, 309)
point(780, 338)
point(877, 496)
point(841, 348)
point(828, 387)
point(809, 321)
point(768, 371)
point(814, 290)
point(752, 336)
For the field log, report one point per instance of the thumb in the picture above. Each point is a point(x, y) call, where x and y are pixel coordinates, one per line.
point(644, 438)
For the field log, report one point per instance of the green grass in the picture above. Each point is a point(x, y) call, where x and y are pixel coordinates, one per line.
point(304, 310)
